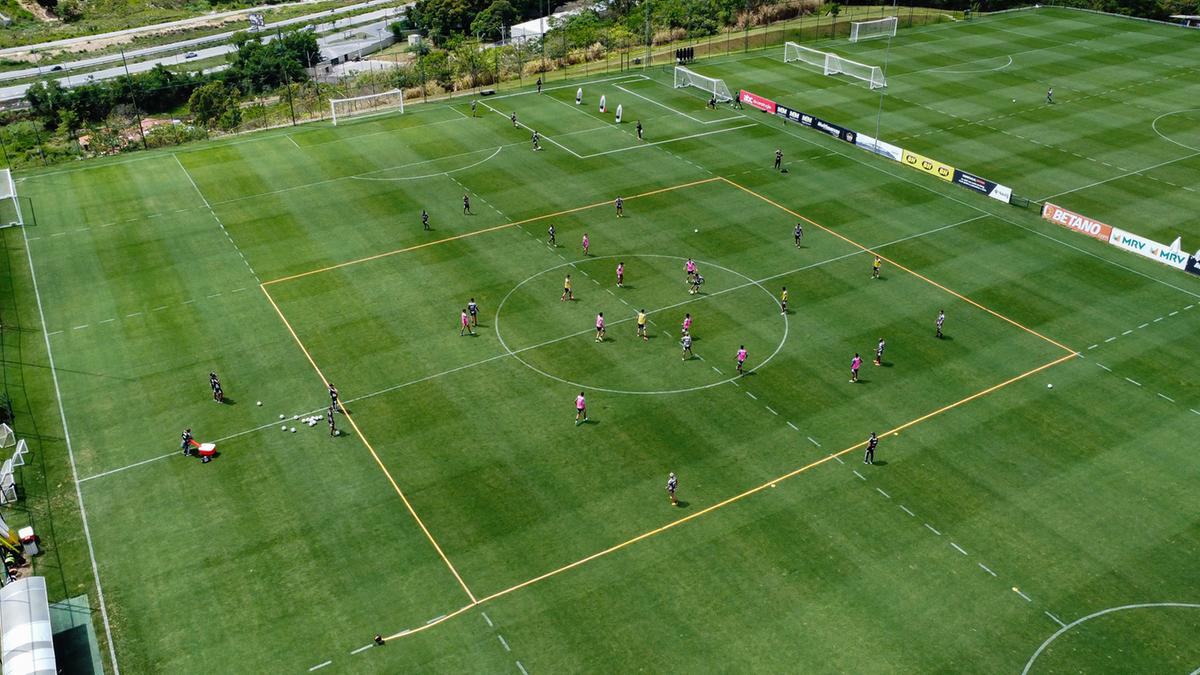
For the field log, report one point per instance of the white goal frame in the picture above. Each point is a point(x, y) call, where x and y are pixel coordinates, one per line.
point(869, 30)
point(714, 86)
point(7, 437)
point(8, 193)
point(370, 104)
point(832, 64)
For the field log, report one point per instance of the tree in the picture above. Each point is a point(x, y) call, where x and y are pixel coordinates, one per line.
point(259, 66)
point(489, 24)
point(211, 102)
point(68, 122)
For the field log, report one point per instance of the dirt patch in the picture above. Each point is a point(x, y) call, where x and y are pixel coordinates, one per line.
point(38, 11)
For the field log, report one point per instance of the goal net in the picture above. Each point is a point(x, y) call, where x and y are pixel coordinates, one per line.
point(832, 64)
point(371, 104)
point(10, 207)
point(714, 86)
point(866, 30)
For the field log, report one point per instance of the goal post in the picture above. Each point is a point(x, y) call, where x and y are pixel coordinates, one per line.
point(10, 205)
point(867, 30)
point(714, 86)
point(342, 109)
point(832, 64)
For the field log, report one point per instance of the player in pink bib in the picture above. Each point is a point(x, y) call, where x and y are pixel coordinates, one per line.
point(690, 267)
point(465, 325)
point(687, 323)
point(620, 274)
point(580, 409)
point(855, 364)
point(586, 242)
point(741, 358)
point(600, 327)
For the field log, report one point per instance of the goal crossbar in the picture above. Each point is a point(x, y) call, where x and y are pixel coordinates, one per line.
point(370, 104)
point(714, 86)
point(867, 30)
point(832, 64)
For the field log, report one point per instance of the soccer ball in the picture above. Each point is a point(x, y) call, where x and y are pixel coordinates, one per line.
point(281, 417)
point(696, 231)
point(283, 428)
point(1014, 100)
point(1049, 386)
point(293, 430)
point(259, 403)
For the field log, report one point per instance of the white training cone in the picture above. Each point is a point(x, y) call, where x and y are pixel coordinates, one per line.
point(579, 96)
point(620, 109)
point(603, 104)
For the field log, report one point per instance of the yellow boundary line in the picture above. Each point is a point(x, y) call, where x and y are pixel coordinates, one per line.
point(730, 500)
point(918, 275)
point(395, 486)
point(485, 230)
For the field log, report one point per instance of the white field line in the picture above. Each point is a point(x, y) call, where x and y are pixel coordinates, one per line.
point(905, 509)
point(752, 396)
point(958, 548)
point(533, 92)
point(1133, 382)
point(886, 495)
point(772, 410)
point(426, 378)
point(985, 569)
point(62, 414)
point(362, 649)
point(668, 140)
point(433, 175)
point(504, 643)
point(216, 218)
point(793, 426)
point(838, 459)
point(697, 120)
point(1018, 592)
point(530, 129)
point(289, 137)
point(522, 668)
point(861, 477)
point(933, 529)
point(813, 441)
point(1055, 619)
point(1120, 176)
point(319, 665)
point(487, 619)
point(1167, 397)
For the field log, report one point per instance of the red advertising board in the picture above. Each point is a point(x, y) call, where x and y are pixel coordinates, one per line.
point(764, 104)
point(1074, 221)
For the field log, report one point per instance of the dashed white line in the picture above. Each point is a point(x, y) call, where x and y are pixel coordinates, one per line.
point(1111, 339)
point(362, 649)
point(1127, 332)
point(717, 369)
point(522, 668)
point(772, 410)
point(1143, 325)
point(1133, 382)
point(1173, 313)
point(985, 569)
point(435, 619)
point(487, 619)
point(1192, 409)
point(1189, 307)
point(1161, 395)
point(1018, 592)
point(59, 331)
point(862, 477)
point(319, 666)
point(159, 308)
point(1093, 347)
point(130, 316)
point(793, 426)
point(80, 327)
point(958, 548)
point(1104, 367)
point(933, 529)
point(108, 321)
point(905, 509)
point(1159, 319)
point(214, 295)
point(752, 396)
point(813, 441)
point(1055, 619)
point(502, 642)
point(883, 493)
point(838, 459)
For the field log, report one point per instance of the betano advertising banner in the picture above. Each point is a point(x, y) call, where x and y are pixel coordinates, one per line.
point(1074, 221)
point(756, 101)
point(1167, 255)
point(970, 181)
point(929, 166)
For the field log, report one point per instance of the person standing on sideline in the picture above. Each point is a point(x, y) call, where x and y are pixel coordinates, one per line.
point(333, 398)
point(424, 220)
point(185, 442)
point(466, 205)
point(539, 85)
point(869, 455)
point(332, 424)
point(798, 234)
point(552, 242)
point(855, 364)
point(879, 352)
point(778, 159)
point(580, 409)
point(940, 320)
point(672, 486)
point(620, 203)
point(473, 103)
point(639, 130)
point(1050, 96)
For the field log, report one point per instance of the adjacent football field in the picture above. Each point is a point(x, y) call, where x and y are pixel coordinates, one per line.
point(1007, 525)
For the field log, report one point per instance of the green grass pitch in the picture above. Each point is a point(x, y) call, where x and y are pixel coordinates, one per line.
point(462, 513)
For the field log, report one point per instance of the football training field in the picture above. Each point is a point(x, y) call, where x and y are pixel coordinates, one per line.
point(1032, 504)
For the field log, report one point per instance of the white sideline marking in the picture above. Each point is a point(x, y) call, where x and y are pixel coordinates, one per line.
point(1127, 332)
point(933, 530)
point(289, 137)
point(668, 140)
point(80, 327)
point(677, 112)
point(62, 415)
point(1055, 619)
point(752, 396)
point(985, 569)
point(530, 129)
point(1194, 410)
point(1120, 176)
point(718, 370)
point(432, 175)
point(793, 426)
point(812, 440)
point(435, 619)
point(1173, 313)
point(1189, 307)
point(1143, 325)
point(1167, 397)
point(319, 665)
point(505, 644)
point(775, 413)
point(522, 668)
point(1133, 382)
point(1111, 338)
point(362, 649)
point(1093, 347)
point(1104, 367)
point(905, 509)
point(488, 620)
point(958, 548)
point(1018, 592)
point(1159, 319)
point(883, 493)
point(533, 92)
point(856, 473)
